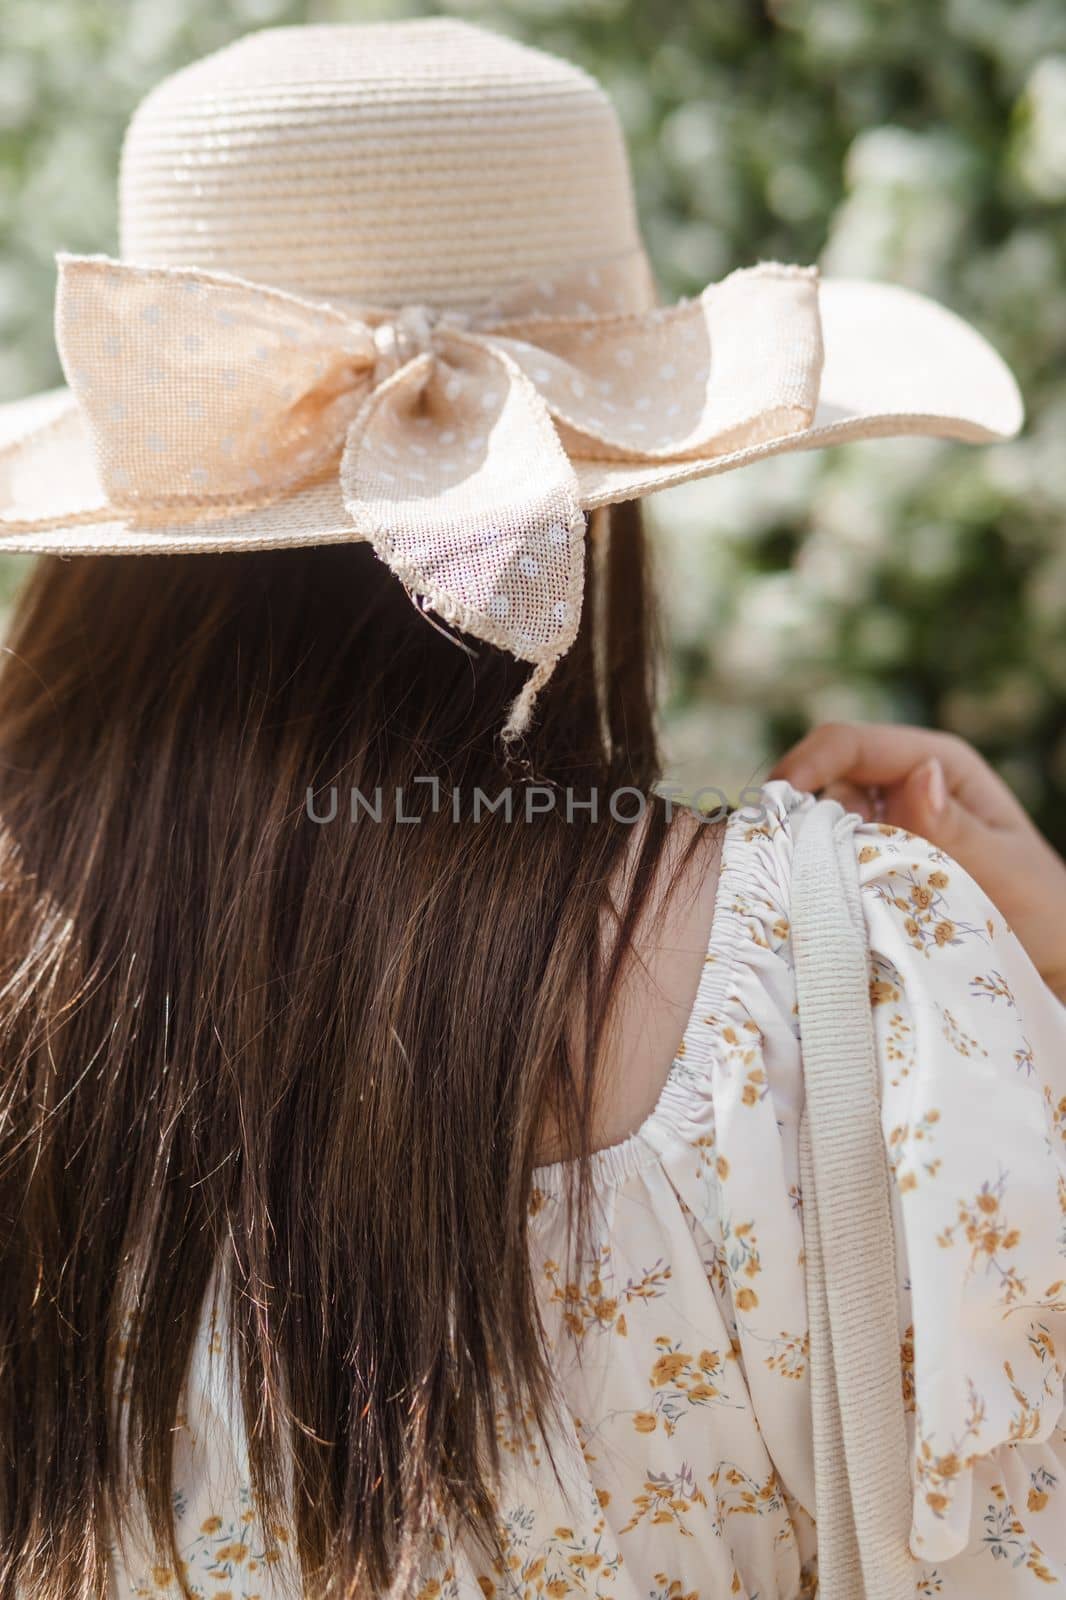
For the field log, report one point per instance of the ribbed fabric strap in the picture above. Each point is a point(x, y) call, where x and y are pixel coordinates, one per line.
point(862, 1478)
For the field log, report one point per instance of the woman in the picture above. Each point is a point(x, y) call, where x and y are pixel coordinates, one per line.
point(400, 1173)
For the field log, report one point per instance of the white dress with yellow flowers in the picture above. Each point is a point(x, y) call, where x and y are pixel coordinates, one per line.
point(680, 1345)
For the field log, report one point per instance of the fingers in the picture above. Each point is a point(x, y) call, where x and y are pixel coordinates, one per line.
point(870, 753)
point(921, 802)
point(852, 798)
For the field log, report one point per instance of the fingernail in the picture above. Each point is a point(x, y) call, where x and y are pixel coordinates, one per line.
point(935, 788)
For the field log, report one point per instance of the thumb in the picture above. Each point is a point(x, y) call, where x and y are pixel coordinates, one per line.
point(923, 804)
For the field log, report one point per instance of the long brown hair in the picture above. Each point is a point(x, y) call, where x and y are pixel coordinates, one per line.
point(318, 1053)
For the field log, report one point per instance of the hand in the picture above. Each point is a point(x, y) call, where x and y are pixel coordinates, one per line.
point(936, 785)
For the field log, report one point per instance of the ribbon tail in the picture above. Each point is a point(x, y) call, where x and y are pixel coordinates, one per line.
point(454, 472)
point(520, 713)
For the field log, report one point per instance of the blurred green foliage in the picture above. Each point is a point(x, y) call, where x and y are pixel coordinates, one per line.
point(922, 141)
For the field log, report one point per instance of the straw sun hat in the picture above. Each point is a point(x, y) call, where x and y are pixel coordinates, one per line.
point(385, 283)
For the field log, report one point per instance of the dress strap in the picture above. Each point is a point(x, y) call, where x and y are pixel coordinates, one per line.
point(862, 1477)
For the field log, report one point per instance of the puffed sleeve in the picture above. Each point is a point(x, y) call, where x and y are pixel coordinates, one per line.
point(972, 1046)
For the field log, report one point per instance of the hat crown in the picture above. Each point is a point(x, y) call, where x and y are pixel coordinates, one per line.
point(427, 161)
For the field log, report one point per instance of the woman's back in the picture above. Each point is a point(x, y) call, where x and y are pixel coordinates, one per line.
point(681, 1447)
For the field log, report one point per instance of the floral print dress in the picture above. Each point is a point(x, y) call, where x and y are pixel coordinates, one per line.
point(684, 1456)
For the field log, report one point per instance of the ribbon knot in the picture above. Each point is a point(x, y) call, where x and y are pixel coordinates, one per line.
point(410, 333)
point(203, 395)
point(402, 338)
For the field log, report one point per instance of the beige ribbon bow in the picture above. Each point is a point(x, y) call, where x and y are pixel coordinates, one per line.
point(453, 437)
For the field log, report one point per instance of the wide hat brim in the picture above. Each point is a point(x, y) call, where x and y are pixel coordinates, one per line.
point(895, 363)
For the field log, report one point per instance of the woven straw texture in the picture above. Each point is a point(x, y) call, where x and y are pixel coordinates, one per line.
point(386, 162)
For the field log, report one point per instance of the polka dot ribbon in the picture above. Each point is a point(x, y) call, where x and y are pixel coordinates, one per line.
point(452, 436)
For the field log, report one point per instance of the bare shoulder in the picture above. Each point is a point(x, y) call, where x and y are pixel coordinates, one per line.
point(657, 988)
